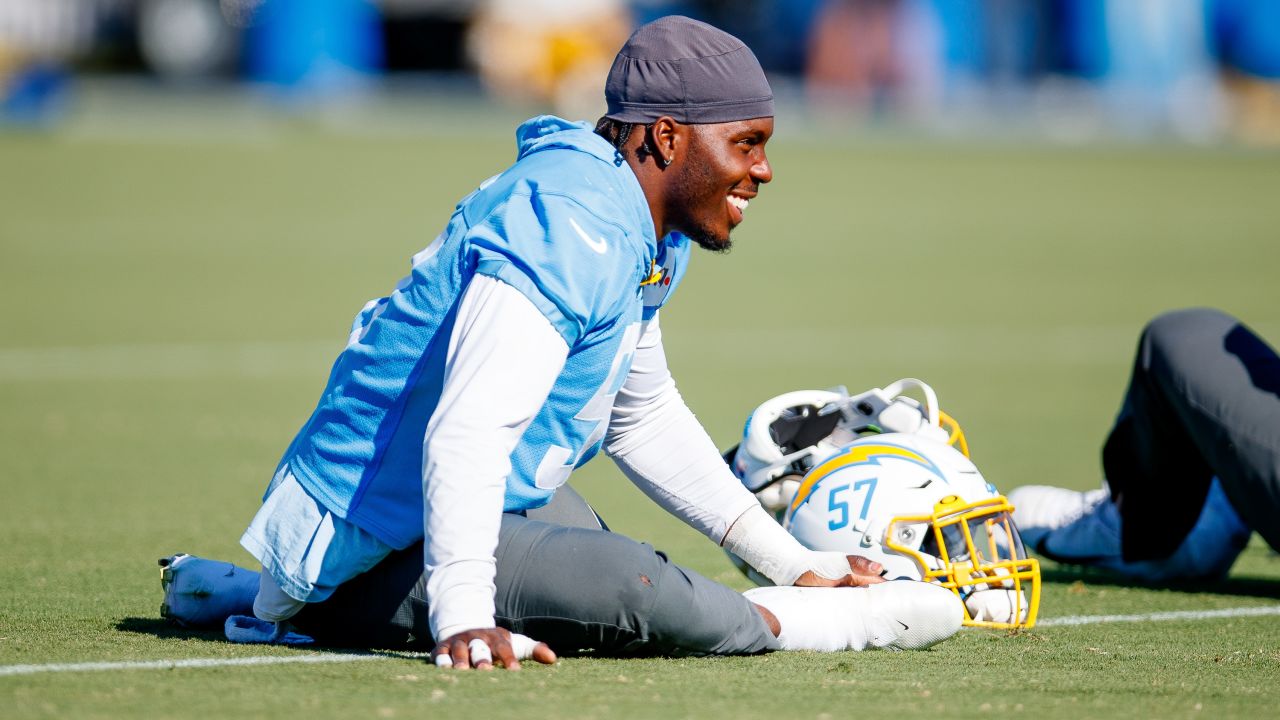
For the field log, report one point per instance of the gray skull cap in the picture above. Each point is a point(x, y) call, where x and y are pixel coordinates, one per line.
point(689, 70)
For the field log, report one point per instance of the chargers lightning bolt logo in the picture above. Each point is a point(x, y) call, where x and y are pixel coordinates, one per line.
point(857, 455)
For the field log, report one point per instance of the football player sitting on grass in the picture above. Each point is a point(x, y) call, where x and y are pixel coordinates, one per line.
point(875, 474)
point(425, 496)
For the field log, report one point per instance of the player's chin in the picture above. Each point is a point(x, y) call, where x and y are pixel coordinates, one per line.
point(717, 241)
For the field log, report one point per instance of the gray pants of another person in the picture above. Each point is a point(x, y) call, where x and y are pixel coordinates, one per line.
point(564, 579)
point(1203, 401)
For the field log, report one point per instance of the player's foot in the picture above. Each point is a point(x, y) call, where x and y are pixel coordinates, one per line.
point(1084, 529)
point(1067, 525)
point(249, 629)
point(204, 593)
point(896, 615)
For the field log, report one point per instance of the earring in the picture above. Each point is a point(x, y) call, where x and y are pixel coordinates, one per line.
point(665, 161)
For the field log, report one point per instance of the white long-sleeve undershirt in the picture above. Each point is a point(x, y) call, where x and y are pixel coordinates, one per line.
point(504, 357)
point(661, 447)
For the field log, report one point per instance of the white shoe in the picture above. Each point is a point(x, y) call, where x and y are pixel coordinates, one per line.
point(895, 615)
point(911, 615)
point(1067, 525)
point(204, 593)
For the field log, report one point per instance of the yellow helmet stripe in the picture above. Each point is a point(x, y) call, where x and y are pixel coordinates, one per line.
point(855, 455)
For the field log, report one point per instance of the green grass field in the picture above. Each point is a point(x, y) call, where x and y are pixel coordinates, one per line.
point(174, 287)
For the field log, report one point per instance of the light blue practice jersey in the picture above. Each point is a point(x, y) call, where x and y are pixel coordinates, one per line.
point(568, 226)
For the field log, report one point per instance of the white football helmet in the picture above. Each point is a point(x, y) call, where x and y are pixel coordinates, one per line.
point(923, 510)
point(788, 435)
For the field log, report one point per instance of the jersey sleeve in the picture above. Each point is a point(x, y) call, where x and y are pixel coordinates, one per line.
point(576, 267)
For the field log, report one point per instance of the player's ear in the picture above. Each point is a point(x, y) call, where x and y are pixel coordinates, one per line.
point(665, 138)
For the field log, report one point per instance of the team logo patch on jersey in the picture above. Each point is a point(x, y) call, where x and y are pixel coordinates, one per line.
point(655, 287)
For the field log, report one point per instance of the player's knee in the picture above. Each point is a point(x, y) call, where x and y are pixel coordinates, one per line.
point(1178, 334)
point(650, 598)
point(631, 579)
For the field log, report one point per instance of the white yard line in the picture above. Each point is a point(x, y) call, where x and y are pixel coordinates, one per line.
point(362, 657)
point(1160, 616)
point(203, 663)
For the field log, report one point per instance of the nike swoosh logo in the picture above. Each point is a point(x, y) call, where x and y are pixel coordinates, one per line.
point(904, 625)
point(599, 245)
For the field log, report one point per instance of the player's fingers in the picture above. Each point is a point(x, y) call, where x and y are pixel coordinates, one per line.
point(460, 653)
point(440, 655)
point(526, 648)
point(505, 655)
point(859, 565)
point(544, 654)
point(481, 655)
point(859, 580)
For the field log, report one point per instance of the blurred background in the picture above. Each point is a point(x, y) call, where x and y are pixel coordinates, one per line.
point(1071, 70)
point(196, 196)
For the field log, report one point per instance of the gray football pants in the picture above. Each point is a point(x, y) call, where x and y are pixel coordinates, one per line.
point(562, 579)
point(1203, 400)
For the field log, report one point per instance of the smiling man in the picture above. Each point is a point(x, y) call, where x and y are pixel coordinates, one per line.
point(421, 496)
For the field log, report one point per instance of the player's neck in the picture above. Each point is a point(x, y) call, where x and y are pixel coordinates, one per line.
point(654, 186)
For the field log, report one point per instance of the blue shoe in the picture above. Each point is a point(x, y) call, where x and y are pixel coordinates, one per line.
point(204, 593)
point(1084, 529)
point(1069, 526)
point(249, 629)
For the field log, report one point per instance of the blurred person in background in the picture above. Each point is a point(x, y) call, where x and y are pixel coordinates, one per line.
point(307, 48)
point(548, 52)
point(1245, 39)
point(1191, 467)
point(37, 38)
point(856, 55)
point(1151, 61)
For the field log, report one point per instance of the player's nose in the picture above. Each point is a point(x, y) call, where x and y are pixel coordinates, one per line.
point(761, 170)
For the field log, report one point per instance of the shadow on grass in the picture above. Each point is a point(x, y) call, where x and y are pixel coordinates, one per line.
point(163, 630)
point(1240, 586)
point(159, 628)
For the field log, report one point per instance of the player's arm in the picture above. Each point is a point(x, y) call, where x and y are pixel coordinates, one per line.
point(662, 448)
point(503, 358)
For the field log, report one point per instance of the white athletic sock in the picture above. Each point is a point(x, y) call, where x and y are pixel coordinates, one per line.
point(273, 604)
point(897, 615)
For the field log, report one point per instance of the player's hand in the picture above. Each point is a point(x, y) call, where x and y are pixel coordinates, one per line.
point(862, 572)
point(483, 648)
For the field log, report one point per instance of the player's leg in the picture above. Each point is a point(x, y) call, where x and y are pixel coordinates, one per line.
point(1083, 528)
point(1204, 401)
point(200, 592)
point(1194, 449)
point(571, 587)
point(578, 589)
point(575, 589)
